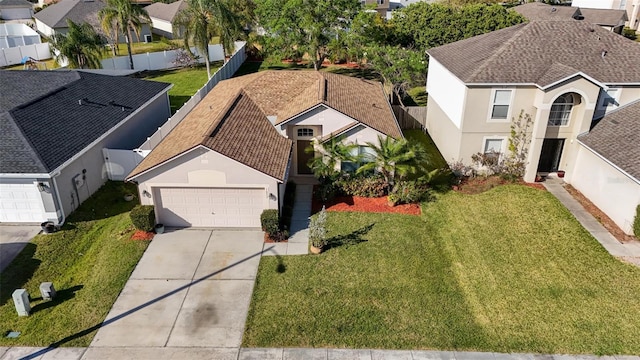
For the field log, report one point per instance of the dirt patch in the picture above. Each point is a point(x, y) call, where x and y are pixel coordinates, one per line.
point(363, 204)
point(480, 184)
point(599, 215)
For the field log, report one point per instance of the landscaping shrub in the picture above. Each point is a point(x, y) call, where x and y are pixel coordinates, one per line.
point(363, 186)
point(326, 191)
point(143, 217)
point(636, 223)
point(318, 229)
point(270, 222)
point(409, 192)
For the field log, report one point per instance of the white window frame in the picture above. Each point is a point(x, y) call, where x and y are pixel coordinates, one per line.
point(490, 117)
point(503, 147)
point(573, 96)
point(298, 130)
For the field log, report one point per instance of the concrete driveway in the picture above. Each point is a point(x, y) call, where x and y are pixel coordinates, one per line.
point(191, 288)
point(13, 238)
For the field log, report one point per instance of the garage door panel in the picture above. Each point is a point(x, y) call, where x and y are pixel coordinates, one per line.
point(21, 203)
point(210, 207)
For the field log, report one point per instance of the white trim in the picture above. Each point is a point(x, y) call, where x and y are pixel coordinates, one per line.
point(579, 73)
point(200, 146)
point(492, 103)
point(24, 175)
point(570, 111)
point(226, 186)
point(600, 105)
point(503, 147)
point(303, 112)
point(637, 181)
point(110, 131)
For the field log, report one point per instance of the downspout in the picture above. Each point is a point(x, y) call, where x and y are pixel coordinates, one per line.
point(59, 201)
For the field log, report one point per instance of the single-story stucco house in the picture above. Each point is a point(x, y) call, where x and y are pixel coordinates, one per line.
point(162, 17)
point(230, 158)
point(15, 9)
point(53, 128)
point(566, 74)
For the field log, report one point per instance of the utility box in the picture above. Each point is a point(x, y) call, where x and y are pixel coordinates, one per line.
point(21, 301)
point(47, 291)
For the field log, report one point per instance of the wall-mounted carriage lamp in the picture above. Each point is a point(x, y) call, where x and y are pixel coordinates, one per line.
point(146, 193)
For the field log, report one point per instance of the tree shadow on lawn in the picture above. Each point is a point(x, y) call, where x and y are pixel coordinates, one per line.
point(353, 238)
point(18, 273)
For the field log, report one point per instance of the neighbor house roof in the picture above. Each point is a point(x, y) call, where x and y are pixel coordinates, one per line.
point(542, 53)
point(79, 11)
point(617, 138)
point(270, 96)
point(539, 11)
point(605, 17)
point(164, 11)
point(15, 3)
point(47, 117)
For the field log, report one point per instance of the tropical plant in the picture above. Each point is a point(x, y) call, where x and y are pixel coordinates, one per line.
point(201, 20)
point(81, 46)
point(393, 159)
point(121, 17)
point(325, 167)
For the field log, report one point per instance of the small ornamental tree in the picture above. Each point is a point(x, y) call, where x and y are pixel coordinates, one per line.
point(318, 229)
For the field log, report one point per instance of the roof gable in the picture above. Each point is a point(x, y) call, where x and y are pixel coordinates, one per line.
point(527, 53)
point(78, 11)
point(605, 17)
point(54, 127)
point(164, 11)
point(535, 11)
point(616, 137)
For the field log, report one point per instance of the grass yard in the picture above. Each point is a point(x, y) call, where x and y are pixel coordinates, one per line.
point(186, 82)
point(89, 262)
point(507, 270)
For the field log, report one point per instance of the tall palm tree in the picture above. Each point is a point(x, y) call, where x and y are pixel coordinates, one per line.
point(325, 167)
point(204, 19)
point(81, 46)
point(393, 159)
point(121, 17)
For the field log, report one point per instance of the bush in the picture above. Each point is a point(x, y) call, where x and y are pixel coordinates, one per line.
point(318, 230)
point(629, 33)
point(409, 192)
point(326, 191)
point(143, 217)
point(364, 186)
point(270, 222)
point(636, 223)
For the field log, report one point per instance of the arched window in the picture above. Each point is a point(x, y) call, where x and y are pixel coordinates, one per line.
point(561, 110)
point(305, 132)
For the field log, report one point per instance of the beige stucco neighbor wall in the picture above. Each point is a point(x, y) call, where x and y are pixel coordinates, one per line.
point(202, 167)
point(613, 192)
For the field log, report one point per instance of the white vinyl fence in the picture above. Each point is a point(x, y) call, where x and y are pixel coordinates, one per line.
point(160, 60)
point(119, 163)
point(14, 55)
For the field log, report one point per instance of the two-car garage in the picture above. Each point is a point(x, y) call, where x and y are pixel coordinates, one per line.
point(209, 207)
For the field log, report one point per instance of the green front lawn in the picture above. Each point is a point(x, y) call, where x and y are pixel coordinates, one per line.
point(186, 82)
point(89, 262)
point(507, 270)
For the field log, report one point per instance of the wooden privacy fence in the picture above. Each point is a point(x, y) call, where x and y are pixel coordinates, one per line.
point(411, 117)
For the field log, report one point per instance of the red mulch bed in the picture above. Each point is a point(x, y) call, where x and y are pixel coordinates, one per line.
point(142, 235)
point(363, 204)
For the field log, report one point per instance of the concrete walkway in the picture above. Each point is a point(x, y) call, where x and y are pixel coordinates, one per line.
point(13, 238)
point(196, 353)
point(298, 243)
point(629, 252)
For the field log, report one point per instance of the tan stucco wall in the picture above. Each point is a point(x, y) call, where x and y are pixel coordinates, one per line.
point(613, 192)
point(202, 167)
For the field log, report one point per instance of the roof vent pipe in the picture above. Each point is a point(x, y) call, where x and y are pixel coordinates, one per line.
point(80, 102)
point(604, 53)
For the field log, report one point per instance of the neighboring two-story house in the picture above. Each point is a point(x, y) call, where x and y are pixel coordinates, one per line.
point(565, 74)
point(631, 6)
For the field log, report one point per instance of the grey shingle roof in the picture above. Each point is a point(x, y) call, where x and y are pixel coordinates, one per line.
point(539, 11)
point(617, 138)
point(606, 17)
point(46, 127)
point(164, 11)
point(15, 3)
point(78, 11)
point(527, 53)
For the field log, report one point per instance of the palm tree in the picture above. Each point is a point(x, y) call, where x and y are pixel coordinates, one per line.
point(325, 167)
point(393, 159)
point(204, 19)
point(121, 17)
point(81, 46)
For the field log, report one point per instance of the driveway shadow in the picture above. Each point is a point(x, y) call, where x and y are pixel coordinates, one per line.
point(19, 271)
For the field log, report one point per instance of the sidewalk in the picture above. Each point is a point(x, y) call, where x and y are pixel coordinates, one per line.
point(298, 243)
point(629, 252)
point(195, 353)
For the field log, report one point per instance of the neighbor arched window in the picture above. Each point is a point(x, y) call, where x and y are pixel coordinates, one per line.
point(561, 110)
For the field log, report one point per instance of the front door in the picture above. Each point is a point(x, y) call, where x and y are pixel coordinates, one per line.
point(550, 155)
point(303, 157)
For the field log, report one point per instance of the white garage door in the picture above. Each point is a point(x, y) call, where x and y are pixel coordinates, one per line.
point(209, 207)
point(21, 203)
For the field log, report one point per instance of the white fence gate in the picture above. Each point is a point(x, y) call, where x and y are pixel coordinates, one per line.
point(119, 163)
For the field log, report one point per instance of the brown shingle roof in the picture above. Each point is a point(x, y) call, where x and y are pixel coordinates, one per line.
point(246, 102)
point(617, 138)
point(605, 17)
point(539, 11)
point(527, 53)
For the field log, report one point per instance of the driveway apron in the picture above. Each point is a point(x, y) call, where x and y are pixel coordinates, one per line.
point(13, 238)
point(191, 288)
